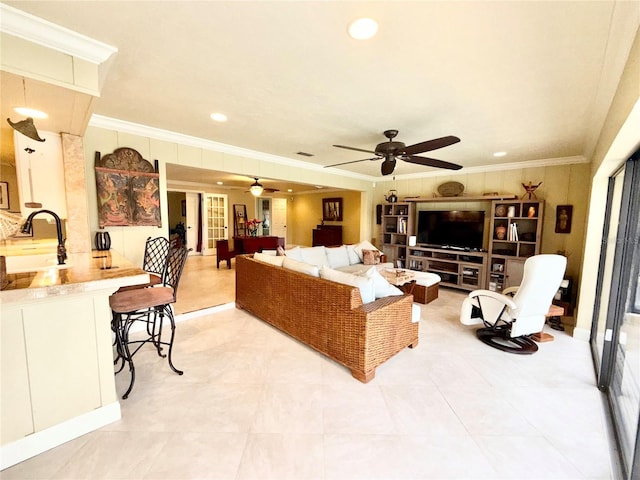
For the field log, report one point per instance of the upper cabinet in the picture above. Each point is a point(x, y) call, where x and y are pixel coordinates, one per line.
point(40, 173)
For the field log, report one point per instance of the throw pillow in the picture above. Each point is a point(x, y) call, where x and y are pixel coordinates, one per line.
point(270, 259)
point(337, 257)
point(301, 267)
point(280, 251)
point(363, 245)
point(371, 257)
point(365, 285)
point(354, 259)
point(381, 287)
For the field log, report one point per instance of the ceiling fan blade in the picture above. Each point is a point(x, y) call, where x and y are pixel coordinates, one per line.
point(354, 148)
point(429, 145)
point(388, 166)
point(431, 162)
point(352, 161)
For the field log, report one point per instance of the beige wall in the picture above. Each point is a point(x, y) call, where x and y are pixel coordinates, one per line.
point(306, 214)
point(130, 240)
point(618, 140)
point(561, 185)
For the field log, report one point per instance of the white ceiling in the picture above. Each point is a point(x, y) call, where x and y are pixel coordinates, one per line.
point(534, 79)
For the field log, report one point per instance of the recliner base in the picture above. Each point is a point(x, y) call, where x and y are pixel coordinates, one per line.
point(499, 338)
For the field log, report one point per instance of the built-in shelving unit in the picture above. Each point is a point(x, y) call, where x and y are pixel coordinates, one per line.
point(397, 223)
point(516, 231)
point(460, 269)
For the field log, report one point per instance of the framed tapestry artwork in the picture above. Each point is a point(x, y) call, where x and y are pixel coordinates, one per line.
point(332, 209)
point(128, 188)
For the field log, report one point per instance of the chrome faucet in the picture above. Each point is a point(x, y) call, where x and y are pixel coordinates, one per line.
point(27, 227)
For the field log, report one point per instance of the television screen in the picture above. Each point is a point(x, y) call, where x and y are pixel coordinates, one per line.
point(455, 228)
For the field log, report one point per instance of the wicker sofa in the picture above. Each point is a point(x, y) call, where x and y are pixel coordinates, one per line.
point(327, 316)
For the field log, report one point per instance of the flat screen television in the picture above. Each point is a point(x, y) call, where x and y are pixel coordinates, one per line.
point(454, 228)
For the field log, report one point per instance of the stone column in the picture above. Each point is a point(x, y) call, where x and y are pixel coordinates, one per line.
point(78, 232)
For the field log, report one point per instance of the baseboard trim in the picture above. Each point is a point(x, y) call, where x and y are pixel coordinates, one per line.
point(39, 442)
point(582, 334)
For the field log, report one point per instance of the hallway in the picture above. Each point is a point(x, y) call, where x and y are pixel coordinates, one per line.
point(202, 285)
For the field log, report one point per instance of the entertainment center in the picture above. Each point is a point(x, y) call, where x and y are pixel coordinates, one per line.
point(452, 242)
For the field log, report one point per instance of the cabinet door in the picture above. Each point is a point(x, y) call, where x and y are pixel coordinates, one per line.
point(64, 384)
point(15, 400)
point(514, 268)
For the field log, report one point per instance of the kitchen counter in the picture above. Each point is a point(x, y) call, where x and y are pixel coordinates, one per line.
point(86, 272)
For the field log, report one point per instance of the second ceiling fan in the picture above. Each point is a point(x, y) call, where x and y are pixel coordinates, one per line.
point(392, 150)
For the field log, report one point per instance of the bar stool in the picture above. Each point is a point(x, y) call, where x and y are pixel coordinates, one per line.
point(154, 262)
point(149, 306)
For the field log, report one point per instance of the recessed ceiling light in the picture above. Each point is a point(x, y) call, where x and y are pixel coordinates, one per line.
point(363, 28)
point(30, 112)
point(289, 190)
point(220, 183)
point(219, 117)
point(499, 154)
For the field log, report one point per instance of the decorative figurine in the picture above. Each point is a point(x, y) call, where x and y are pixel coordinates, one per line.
point(530, 189)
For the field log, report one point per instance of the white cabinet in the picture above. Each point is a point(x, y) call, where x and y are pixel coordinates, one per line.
point(15, 398)
point(40, 173)
point(62, 357)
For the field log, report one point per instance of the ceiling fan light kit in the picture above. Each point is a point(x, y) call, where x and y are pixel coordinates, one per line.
point(256, 188)
point(392, 150)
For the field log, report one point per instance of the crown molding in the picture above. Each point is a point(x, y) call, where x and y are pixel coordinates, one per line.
point(109, 123)
point(34, 29)
point(544, 162)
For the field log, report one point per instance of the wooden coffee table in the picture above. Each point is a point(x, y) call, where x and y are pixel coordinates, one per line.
point(398, 276)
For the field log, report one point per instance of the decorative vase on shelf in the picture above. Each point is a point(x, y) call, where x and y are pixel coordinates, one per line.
point(501, 232)
point(103, 241)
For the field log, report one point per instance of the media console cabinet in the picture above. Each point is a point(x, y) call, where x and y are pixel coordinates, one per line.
point(457, 268)
point(513, 232)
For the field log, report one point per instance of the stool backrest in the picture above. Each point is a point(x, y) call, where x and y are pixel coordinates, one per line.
point(155, 256)
point(176, 260)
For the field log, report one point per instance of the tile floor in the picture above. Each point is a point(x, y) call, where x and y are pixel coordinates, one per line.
point(256, 404)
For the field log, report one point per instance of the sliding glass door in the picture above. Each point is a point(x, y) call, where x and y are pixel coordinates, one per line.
point(616, 325)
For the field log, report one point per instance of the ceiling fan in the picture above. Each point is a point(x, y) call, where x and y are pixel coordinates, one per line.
point(256, 188)
point(390, 151)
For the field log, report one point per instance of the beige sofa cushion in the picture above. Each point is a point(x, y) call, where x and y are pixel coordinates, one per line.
point(268, 258)
point(294, 253)
point(314, 256)
point(364, 284)
point(301, 267)
point(382, 288)
point(337, 256)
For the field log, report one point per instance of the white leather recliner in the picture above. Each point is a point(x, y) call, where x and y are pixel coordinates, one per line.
point(509, 320)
